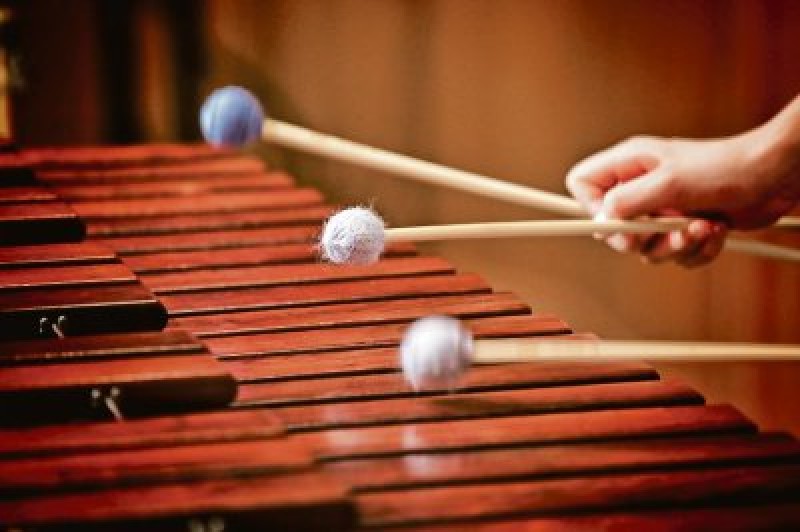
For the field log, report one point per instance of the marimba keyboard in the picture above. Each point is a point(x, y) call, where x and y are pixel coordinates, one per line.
point(273, 399)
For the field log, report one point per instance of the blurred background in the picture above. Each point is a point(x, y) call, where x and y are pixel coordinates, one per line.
point(520, 90)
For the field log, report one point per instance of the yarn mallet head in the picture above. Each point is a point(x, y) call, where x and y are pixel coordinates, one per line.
point(435, 352)
point(231, 116)
point(353, 236)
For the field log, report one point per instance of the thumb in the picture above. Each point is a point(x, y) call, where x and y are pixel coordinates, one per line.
point(644, 195)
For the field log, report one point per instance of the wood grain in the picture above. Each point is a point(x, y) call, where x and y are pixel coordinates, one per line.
point(335, 389)
point(308, 341)
point(526, 430)
point(119, 307)
point(105, 347)
point(508, 401)
point(568, 496)
point(92, 158)
point(204, 240)
point(199, 203)
point(109, 469)
point(573, 460)
point(146, 386)
point(310, 501)
point(54, 254)
point(739, 518)
point(352, 314)
point(352, 362)
point(222, 166)
point(166, 431)
point(39, 222)
point(293, 274)
point(323, 294)
point(187, 223)
point(65, 275)
point(254, 255)
point(25, 194)
point(256, 182)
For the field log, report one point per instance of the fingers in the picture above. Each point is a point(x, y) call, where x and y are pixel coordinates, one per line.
point(621, 242)
point(595, 183)
point(637, 178)
point(633, 199)
point(590, 180)
point(656, 249)
point(648, 194)
point(699, 244)
point(706, 248)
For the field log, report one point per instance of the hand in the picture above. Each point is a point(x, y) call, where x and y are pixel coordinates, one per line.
point(741, 182)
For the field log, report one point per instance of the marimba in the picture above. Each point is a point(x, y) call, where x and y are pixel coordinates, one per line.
point(173, 356)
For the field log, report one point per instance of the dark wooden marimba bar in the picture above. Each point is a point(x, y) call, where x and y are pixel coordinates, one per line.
point(174, 356)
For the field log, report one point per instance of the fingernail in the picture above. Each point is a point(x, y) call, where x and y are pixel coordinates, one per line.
point(698, 229)
point(599, 217)
point(676, 240)
point(619, 242)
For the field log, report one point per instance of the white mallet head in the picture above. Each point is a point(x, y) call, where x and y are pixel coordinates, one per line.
point(353, 236)
point(435, 352)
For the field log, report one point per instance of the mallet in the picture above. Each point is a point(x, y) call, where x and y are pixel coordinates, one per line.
point(437, 350)
point(233, 116)
point(358, 235)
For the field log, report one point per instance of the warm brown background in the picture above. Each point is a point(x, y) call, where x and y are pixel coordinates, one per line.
point(519, 90)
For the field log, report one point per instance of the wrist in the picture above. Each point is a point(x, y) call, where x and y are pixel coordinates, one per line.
point(772, 154)
point(778, 141)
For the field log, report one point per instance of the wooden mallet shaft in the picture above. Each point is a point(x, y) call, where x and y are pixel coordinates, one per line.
point(296, 137)
point(533, 350)
point(528, 228)
point(544, 228)
point(292, 136)
point(788, 222)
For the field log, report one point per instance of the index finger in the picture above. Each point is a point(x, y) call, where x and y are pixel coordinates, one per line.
point(590, 180)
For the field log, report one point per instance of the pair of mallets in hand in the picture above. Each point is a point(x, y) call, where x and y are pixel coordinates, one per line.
point(232, 116)
point(436, 350)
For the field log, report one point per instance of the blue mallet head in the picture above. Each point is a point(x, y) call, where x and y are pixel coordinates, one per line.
point(231, 116)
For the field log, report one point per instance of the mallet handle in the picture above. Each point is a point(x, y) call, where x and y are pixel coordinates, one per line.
point(531, 350)
point(304, 139)
point(788, 222)
point(291, 136)
point(762, 249)
point(543, 228)
point(528, 229)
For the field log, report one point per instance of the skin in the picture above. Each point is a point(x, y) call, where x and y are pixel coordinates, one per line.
point(747, 181)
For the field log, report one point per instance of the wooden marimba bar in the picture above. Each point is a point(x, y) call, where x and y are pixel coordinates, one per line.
point(273, 398)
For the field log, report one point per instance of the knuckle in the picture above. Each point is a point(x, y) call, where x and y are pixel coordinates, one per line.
point(702, 260)
point(573, 180)
point(669, 182)
point(638, 143)
point(614, 204)
point(641, 139)
point(611, 202)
